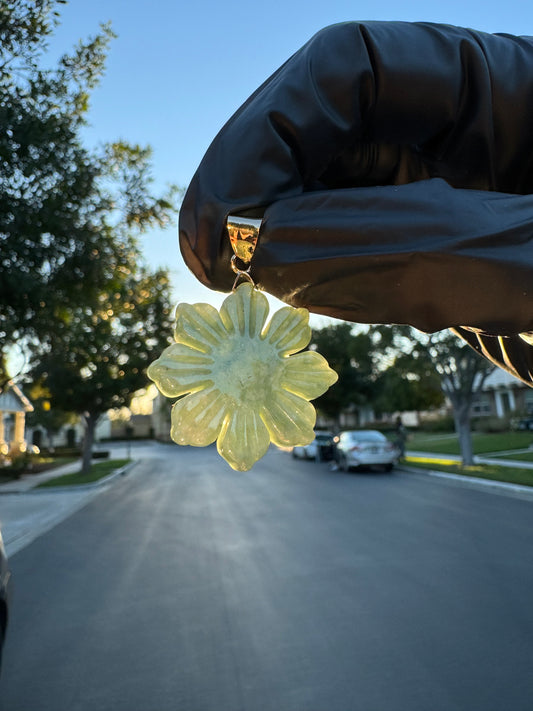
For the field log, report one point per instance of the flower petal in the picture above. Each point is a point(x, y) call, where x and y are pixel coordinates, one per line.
point(307, 375)
point(245, 311)
point(180, 369)
point(199, 326)
point(197, 419)
point(289, 330)
point(289, 419)
point(244, 439)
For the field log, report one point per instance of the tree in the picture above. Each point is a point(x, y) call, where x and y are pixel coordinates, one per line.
point(461, 371)
point(70, 288)
point(407, 379)
point(351, 356)
point(62, 206)
point(97, 358)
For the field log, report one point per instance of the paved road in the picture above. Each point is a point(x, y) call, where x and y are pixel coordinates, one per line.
point(186, 586)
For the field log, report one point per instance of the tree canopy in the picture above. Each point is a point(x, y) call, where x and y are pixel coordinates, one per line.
point(73, 285)
point(397, 368)
point(97, 358)
point(428, 361)
point(351, 356)
point(63, 206)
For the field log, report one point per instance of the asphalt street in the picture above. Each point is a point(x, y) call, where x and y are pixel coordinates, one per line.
point(186, 586)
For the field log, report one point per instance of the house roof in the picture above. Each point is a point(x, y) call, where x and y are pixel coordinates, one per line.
point(12, 399)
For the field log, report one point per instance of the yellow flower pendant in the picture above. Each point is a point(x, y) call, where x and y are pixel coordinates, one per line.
point(241, 382)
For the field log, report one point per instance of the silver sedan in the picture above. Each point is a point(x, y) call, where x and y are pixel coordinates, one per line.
point(365, 448)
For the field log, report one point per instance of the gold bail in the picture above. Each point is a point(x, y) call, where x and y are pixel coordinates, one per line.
point(243, 234)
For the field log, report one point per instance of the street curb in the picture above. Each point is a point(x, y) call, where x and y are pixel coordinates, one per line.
point(503, 486)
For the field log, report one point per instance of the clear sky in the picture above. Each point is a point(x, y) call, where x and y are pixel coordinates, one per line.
point(179, 69)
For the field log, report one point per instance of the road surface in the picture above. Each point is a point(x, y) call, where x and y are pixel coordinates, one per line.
point(186, 586)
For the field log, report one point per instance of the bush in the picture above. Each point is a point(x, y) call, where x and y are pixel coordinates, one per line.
point(61, 452)
point(491, 424)
point(100, 455)
point(22, 463)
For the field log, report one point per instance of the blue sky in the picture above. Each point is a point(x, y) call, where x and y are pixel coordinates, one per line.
point(178, 70)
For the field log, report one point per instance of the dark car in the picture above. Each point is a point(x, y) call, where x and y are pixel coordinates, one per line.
point(320, 449)
point(526, 423)
point(4, 584)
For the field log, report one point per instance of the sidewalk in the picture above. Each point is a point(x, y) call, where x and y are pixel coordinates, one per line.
point(26, 512)
point(30, 481)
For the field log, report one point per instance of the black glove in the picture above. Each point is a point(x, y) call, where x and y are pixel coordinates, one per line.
point(392, 164)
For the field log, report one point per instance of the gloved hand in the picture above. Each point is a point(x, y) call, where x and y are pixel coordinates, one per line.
point(392, 165)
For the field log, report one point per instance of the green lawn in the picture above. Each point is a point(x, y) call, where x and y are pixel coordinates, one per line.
point(482, 443)
point(35, 466)
point(96, 472)
point(518, 456)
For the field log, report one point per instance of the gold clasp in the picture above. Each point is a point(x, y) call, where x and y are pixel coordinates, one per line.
point(243, 234)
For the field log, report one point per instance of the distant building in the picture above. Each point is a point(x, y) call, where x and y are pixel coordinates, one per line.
point(137, 426)
point(69, 435)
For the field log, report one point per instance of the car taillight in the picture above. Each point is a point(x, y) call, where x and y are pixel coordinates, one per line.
point(355, 448)
point(390, 447)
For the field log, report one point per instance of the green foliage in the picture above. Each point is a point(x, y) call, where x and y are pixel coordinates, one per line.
point(24, 27)
point(98, 355)
point(462, 370)
point(350, 355)
point(72, 285)
point(51, 419)
point(408, 379)
point(21, 463)
point(490, 424)
point(66, 212)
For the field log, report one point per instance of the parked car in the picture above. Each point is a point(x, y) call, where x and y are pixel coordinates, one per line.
point(526, 423)
point(365, 448)
point(4, 585)
point(321, 448)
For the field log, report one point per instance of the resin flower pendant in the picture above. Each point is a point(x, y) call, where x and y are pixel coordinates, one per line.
point(241, 381)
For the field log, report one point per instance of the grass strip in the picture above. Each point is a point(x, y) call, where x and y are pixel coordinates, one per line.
point(481, 442)
point(518, 456)
point(509, 475)
point(97, 471)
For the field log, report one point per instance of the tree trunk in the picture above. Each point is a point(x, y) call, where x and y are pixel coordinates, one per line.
point(88, 440)
point(461, 416)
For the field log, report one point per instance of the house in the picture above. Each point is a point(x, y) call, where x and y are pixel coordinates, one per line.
point(137, 426)
point(13, 408)
point(69, 435)
point(502, 395)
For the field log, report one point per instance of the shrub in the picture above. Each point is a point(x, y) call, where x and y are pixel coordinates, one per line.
point(100, 455)
point(491, 424)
